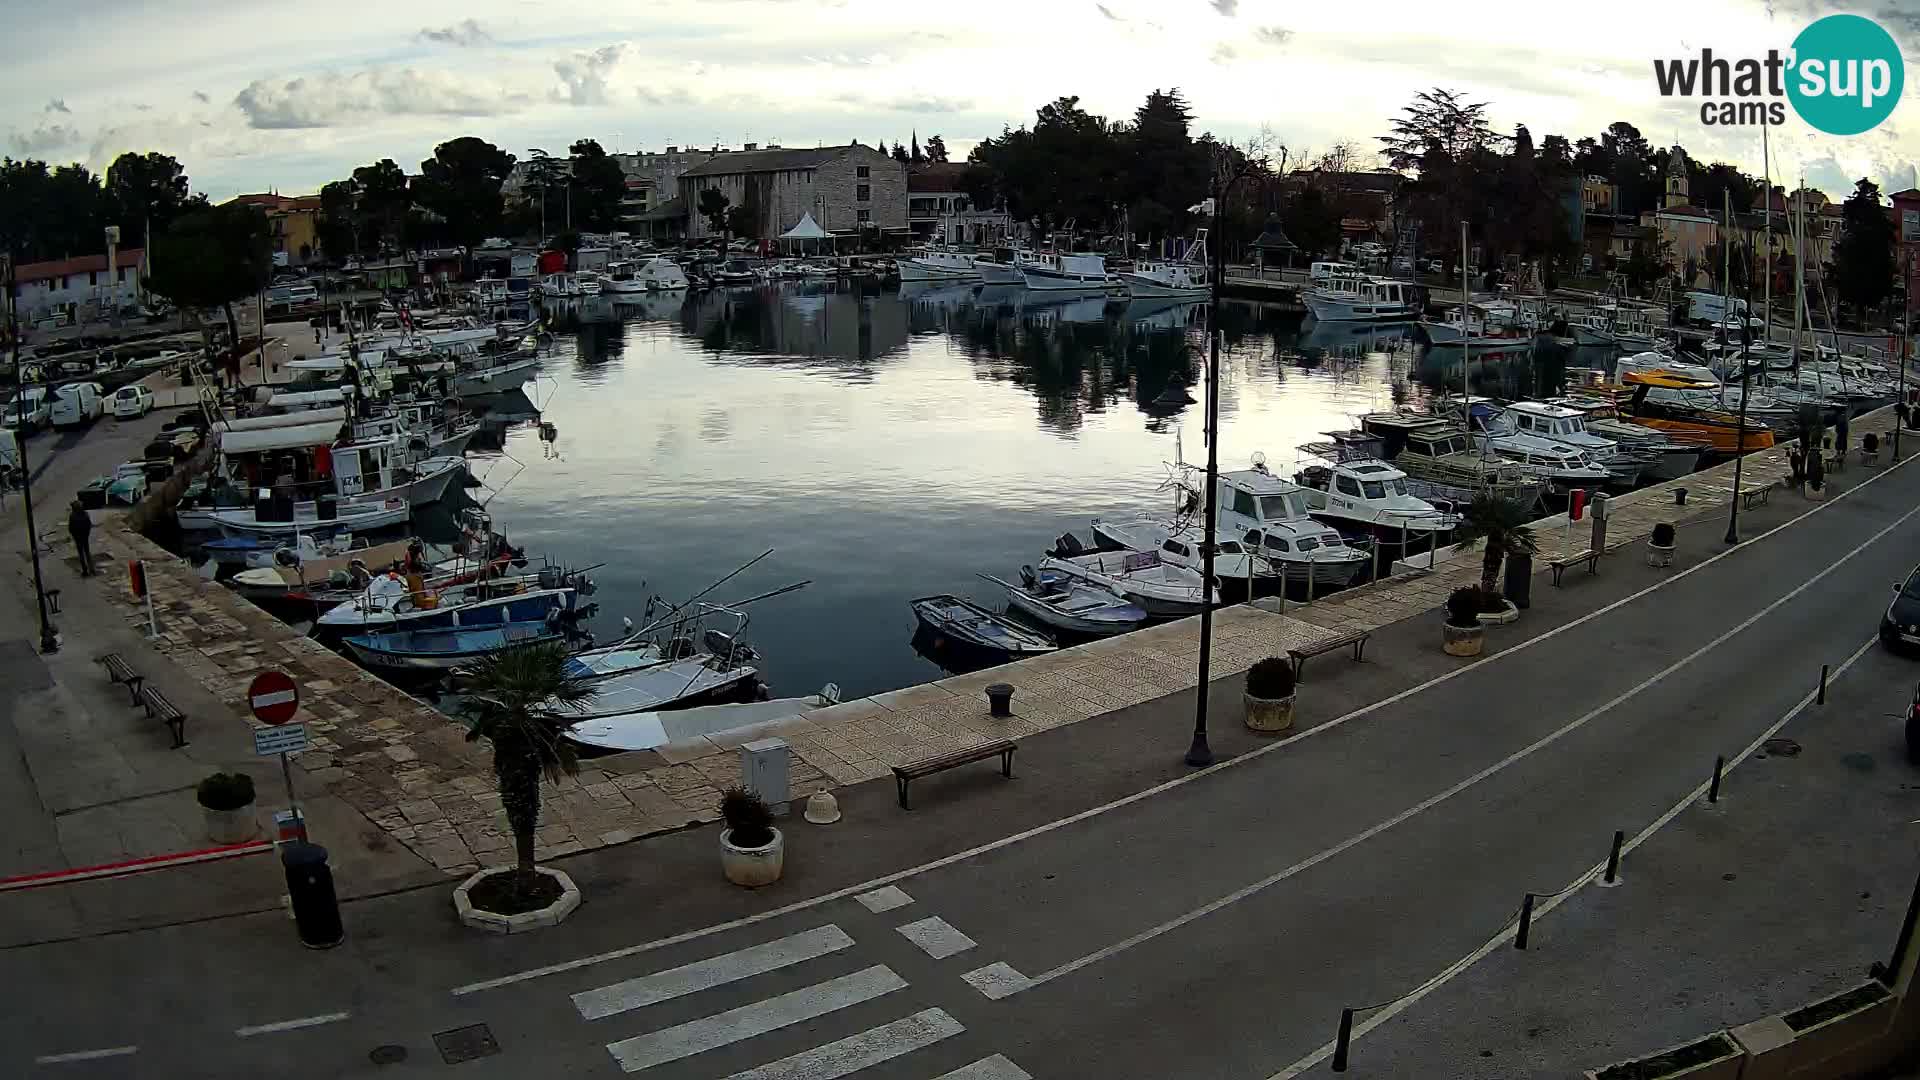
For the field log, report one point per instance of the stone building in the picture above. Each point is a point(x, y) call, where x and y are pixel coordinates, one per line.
point(849, 190)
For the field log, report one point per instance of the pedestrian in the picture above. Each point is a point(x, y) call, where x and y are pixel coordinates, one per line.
point(1840, 436)
point(81, 527)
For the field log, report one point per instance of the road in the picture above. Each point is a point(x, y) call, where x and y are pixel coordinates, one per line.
point(1213, 928)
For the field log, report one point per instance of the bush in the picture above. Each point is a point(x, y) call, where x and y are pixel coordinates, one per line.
point(748, 817)
point(226, 791)
point(1663, 535)
point(1271, 679)
point(1464, 606)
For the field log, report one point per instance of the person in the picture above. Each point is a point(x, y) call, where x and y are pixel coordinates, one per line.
point(80, 525)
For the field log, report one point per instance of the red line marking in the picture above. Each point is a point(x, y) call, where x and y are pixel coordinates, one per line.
point(134, 866)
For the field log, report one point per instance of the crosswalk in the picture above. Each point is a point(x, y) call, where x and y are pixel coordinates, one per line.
point(810, 1008)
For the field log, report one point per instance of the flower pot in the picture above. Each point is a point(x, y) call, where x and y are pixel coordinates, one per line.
point(1463, 640)
point(752, 867)
point(1507, 613)
point(1270, 715)
point(230, 826)
point(1659, 556)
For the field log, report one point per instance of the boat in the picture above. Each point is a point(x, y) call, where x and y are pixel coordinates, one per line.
point(1720, 429)
point(1593, 329)
point(1371, 497)
point(590, 284)
point(1560, 466)
point(396, 604)
point(1050, 271)
point(1163, 590)
point(561, 287)
point(1568, 426)
point(1360, 298)
point(718, 667)
point(621, 280)
point(298, 579)
point(936, 265)
point(735, 272)
point(1001, 268)
point(957, 620)
point(306, 518)
point(662, 275)
point(1672, 456)
point(1184, 278)
point(496, 378)
point(1180, 544)
point(422, 651)
point(1492, 325)
point(1070, 604)
point(1442, 456)
point(655, 728)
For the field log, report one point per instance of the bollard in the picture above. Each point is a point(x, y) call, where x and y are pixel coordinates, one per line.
point(1679, 496)
point(1341, 1042)
point(1613, 859)
point(1000, 700)
point(1823, 685)
point(1713, 792)
point(1526, 922)
point(316, 911)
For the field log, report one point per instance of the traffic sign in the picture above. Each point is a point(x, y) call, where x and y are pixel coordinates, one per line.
point(285, 739)
point(274, 697)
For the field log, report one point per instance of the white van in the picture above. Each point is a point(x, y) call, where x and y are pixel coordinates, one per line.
point(75, 404)
point(1322, 272)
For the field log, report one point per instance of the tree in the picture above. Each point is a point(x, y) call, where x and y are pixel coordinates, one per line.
point(1863, 265)
point(1311, 222)
point(936, 150)
point(382, 202)
point(900, 154)
point(545, 173)
point(517, 700)
point(914, 155)
point(50, 213)
point(744, 220)
point(713, 207)
point(146, 192)
point(1648, 261)
point(212, 258)
point(461, 183)
point(1500, 525)
point(1436, 121)
point(338, 227)
point(599, 186)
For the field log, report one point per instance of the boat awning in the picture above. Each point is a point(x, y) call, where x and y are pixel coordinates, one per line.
point(334, 416)
point(807, 229)
point(309, 399)
point(280, 438)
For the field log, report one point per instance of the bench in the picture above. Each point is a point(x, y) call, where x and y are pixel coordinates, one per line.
point(1357, 639)
point(119, 671)
point(1590, 557)
point(906, 774)
point(1756, 496)
point(159, 708)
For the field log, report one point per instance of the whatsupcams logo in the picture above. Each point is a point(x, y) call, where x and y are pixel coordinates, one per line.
point(1843, 75)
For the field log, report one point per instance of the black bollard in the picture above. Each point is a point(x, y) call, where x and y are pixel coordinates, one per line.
point(1823, 685)
point(1713, 792)
point(1613, 858)
point(1000, 700)
point(1341, 1042)
point(1526, 922)
point(316, 911)
point(1679, 496)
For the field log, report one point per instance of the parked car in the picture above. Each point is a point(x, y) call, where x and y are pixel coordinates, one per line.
point(131, 402)
point(1900, 623)
point(302, 294)
point(30, 409)
point(76, 404)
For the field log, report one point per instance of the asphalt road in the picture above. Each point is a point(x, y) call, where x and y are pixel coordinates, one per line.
point(1214, 928)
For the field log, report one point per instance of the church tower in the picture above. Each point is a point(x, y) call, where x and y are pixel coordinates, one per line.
point(1678, 191)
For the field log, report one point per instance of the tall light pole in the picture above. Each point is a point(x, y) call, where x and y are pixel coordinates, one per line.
point(1906, 352)
point(1740, 426)
point(49, 637)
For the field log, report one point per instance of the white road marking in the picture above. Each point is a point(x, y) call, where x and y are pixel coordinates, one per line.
point(714, 971)
point(996, 1067)
point(1505, 935)
point(291, 1025)
point(1160, 789)
point(936, 937)
point(758, 1018)
point(86, 1055)
point(855, 1052)
point(996, 981)
point(1497, 767)
point(885, 899)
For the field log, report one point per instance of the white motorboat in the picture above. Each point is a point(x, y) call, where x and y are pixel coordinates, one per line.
point(651, 729)
point(1069, 603)
point(934, 265)
point(1002, 269)
point(1184, 278)
point(1360, 298)
point(561, 287)
point(662, 275)
point(390, 603)
point(621, 280)
point(1161, 589)
point(490, 292)
point(495, 379)
point(1441, 461)
point(702, 676)
point(1669, 457)
point(1180, 543)
point(1481, 326)
point(1568, 427)
point(1372, 496)
point(590, 284)
point(1049, 271)
point(359, 517)
point(1556, 464)
point(1593, 329)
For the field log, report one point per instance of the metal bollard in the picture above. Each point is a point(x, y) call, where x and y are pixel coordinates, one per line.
point(1343, 1040)
point(1713, 792)
point(1613, 859)
point(1823, 685)
point(1526, 922)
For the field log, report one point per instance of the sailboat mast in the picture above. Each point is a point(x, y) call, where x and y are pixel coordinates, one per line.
point(1799, 225)
point(1766, 257)
point(1466, 336)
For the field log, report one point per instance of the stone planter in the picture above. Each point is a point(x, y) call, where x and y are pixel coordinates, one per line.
point(230, 826)
point(1658, 556)
point(1722, 1062)
point(752, 867)
point(552, 915)
point(1463, 640)
point(1794, 1044)
point(1507, 613)
point(1269, 715)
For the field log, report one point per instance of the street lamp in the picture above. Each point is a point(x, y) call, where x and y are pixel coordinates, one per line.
point(49, 636)
point(1740, 424)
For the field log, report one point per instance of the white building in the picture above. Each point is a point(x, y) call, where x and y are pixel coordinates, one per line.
point(81, 287)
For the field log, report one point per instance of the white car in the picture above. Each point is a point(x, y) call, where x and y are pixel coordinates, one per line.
point(77, 404)
point(30, 408)
point(130, 402)
point(302, 294)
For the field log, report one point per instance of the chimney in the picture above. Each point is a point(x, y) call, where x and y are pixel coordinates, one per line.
point(751, 146)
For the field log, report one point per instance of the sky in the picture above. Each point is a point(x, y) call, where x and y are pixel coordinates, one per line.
point(269, 95)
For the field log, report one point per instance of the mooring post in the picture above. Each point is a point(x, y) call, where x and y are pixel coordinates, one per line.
point(1526, 922)
point(1341, 1042)
point(1719, 766)
point(1823, 684)
point(1613, 858)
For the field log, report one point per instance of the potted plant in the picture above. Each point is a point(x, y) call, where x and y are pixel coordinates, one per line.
point(1463, 634)
point(516, 700)
point(1269, 695)
point(1660, 545)
point(1870, 449)
point(227, 800)
point(1500, 525)
point(752, 851)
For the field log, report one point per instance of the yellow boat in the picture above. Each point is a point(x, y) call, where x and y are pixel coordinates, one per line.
point(1718, 428)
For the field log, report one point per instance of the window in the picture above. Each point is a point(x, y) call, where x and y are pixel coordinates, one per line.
point(1227, 547)
point(1308, 543)
point(1375, 490)
point(1243, 503)
point(862, 171)
point(1277, 508)
point(863, 193)
point(1274, 543)
point(1174, 547)
point(1347, 485)
point(863, 216)
point(123, 275)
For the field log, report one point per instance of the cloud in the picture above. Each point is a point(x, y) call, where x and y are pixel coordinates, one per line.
point(201, 97)
point(58, 105)
point(42, 139)
point(332, 100)
point(1224, 54)
point(925, 103)
point(1276, 36)
point(464, 34)
point(1102, 9)
point(584, 75)
point(1226, 7)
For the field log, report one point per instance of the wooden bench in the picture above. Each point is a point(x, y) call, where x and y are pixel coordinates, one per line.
point(906, 774)
point(1357, 639)
point(159, 708)
point(1756, 496)
point(1590, 557)
point(119, 671)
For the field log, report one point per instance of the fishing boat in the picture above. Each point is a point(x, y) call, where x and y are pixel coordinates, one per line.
point(1559, 466)
point(1179, 543)
point(1000, 268)
point(1442, 457)
point(937, 265)
point(1055, 272)
point(712, 668)
point(621, 280)
point(957, 620)
point(561, 287)
point(1165, 591)
point(662, 275)
point(429, 651)
point(655, 728)
point(1568, 427)
point(1360, 298)
point(267, 520)
point(1490, 325)
point(1070, 604)
point(1722, 430)
point(392, 603)
point(495, 378)
point(1370, 497)
point(1672, 456)
point(1184, 278)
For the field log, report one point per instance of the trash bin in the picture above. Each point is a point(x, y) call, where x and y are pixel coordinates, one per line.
point(316, 911)
point(1519, 583)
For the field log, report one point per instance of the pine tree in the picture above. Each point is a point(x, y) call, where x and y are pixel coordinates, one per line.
point(915, 155)
point(1863, 266)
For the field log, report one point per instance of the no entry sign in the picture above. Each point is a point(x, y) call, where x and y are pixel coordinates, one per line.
point(274, 697)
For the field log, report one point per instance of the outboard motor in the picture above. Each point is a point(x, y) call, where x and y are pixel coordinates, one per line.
point(286, 556)
point(1068, 546)
point(1028, 578)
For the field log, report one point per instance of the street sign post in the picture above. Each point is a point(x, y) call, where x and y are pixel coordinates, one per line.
point(275, 698)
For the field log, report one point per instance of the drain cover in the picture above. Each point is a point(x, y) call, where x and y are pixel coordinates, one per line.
point(1780, 748)
point(466, 1044)
point(387, 1055)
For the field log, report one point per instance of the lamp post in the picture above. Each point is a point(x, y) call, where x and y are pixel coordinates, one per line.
point(1740, 426)
point(49, 636)
point(1906, 352)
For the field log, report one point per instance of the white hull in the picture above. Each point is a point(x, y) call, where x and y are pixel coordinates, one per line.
point(495, 380)
point(915, 270)
point(437, 475)
point(238, 523)
point(1141, 286)
point(1331, 309)
point(1041, 280)
point(625, 288)
point(999, 274)
point(1447, 335)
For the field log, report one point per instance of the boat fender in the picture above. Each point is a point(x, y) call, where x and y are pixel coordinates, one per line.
point(285, 556)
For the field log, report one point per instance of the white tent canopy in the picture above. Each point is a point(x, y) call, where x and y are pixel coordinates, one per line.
point(807, 229)
point(286, 438)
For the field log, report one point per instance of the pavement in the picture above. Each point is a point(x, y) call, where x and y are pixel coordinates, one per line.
point(1110, 913)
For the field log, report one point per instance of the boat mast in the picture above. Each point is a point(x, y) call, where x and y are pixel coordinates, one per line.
point(1797, 222)
point(1466, 337)
point(1766, 257)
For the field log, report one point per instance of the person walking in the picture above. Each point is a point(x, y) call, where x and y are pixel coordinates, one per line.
point(80, 525)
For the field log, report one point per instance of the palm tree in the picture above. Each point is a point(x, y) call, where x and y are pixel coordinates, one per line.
point(511, 702)
point(1502, 525)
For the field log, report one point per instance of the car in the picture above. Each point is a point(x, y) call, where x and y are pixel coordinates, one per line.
point(30, 408)
point(1900, 624)
point(302, 294)
point(77, 404)
point(133, 401)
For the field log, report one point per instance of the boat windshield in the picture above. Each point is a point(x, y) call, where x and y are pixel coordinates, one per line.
point(1308, 543)
point(1277, 508)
